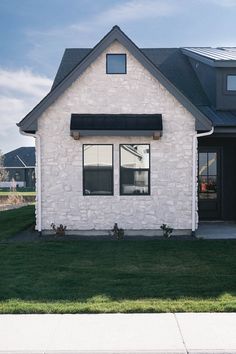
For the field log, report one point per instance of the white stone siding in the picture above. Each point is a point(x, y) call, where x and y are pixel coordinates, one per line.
point(171, 156)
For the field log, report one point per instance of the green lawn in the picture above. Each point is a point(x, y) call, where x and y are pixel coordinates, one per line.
point(16, 220)
point(118, 276)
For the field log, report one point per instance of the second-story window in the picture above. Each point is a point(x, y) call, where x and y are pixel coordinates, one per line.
point(116, 64)
point(231, 82)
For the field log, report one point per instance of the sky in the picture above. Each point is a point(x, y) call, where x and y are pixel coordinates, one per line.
point(34, 34)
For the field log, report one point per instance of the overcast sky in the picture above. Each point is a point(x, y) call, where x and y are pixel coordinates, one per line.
point(34, 34)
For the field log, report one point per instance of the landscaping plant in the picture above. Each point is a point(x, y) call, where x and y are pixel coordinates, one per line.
point(117, 232)
point(167, 230)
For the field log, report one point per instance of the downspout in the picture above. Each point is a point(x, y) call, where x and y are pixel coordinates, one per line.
point(195, 141)
point(38, 180)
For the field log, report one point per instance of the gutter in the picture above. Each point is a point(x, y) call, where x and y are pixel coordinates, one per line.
point(38, 179)
point(194, 175)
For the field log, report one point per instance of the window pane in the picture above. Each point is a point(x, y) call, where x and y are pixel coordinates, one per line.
point(135, 156)
point(207, 183)
point(207, 187)
point(211, 163)
point(134, 169)
point(202, 163)
point(116, 63)
point(212, 187)
point(98, 170)
point(231, 82)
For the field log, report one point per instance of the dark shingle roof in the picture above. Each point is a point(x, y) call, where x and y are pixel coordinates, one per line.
point(176, 67)
point(20, 157)
point(71, 58)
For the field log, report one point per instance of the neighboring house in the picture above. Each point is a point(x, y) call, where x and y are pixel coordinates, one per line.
point(20, 165)
point(120, 134)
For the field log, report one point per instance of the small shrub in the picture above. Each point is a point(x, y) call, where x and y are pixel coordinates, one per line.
point(167, 230)
point(15, 198)
point(117, 232)
point(59, 230)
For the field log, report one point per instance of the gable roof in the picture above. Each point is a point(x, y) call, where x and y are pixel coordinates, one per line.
point(170, 61)
point(21, 157)
point(29, 123)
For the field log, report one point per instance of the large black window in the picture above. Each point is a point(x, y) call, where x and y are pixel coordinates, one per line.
point(134, 169)
point(116, 64)
point(98, 169)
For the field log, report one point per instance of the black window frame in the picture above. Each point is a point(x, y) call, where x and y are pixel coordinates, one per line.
point(83, 179)
point(136, 169)
point(112, 54)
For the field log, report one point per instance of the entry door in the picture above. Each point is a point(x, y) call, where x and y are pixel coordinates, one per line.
point(209, 191)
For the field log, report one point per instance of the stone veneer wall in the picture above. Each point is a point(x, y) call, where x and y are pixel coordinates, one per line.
point(171, 156)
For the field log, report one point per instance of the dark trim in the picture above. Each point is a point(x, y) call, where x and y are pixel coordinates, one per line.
point(97, 195)
point(224, 130)
point(136, 169)
point(115, 132)
point(107, 55)
point(30, 120)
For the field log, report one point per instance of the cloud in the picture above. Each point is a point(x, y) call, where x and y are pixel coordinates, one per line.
point(24, 82)
point(133, 10)
point(50, 43)
point(223, 3)
point(20, 91)
point(138, 10)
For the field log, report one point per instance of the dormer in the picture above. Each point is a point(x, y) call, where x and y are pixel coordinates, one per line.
point(216, 71)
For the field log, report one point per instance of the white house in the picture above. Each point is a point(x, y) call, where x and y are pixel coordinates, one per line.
point(117, 139)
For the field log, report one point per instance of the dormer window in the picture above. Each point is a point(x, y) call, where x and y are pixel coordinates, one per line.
point(116, 64)
point(231, 82)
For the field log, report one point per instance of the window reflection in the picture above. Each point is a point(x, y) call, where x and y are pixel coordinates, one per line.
point(98, 170)
point(116, 63)
point(134, 169)
point(207, 172)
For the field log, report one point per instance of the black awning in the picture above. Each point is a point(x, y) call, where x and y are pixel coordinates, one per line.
point(116, 124)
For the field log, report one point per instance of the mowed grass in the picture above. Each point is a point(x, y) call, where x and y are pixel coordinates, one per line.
point(15, 220)
point(98, 276)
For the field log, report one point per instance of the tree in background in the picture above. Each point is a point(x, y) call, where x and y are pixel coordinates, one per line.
point(3, 172)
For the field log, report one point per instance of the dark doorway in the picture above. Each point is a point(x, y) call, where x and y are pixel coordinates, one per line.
point(209, 183)
point(222, 205)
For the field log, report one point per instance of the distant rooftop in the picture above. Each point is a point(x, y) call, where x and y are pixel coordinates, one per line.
point(22, 157)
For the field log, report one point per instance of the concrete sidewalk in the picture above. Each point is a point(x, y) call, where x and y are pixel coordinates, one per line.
point(118, 333)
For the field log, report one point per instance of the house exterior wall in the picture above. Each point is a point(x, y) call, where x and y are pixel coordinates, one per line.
point(171, 156)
